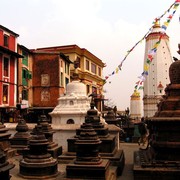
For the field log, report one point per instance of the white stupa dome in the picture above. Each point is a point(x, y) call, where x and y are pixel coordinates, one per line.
point(76, 88)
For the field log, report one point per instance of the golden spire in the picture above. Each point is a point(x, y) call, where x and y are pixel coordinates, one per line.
point(157, 23)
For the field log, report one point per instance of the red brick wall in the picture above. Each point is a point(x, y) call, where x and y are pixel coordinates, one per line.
point(1, 38)
point(12, 85)
point(12, 43)
point(46, 64)
point(0, 79)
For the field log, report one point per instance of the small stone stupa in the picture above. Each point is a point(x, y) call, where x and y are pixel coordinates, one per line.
point(162, 159)
point(5, 141)
point(20, 140)
point(53, 147)
point(110, 118)
point(88, 163)
point(38, 163)
point(5, 166)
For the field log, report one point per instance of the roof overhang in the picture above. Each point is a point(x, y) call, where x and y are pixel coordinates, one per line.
point(5, 50)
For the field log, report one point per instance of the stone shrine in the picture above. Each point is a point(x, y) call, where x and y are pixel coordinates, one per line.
point(20, 140)
point(70, 112)
point(162, 159)
point(109, 149)
point(110, 118)
point(38, 163)
point(5, 142)
point(5, 166)
point(53, 148)
point(88, 163)
point(72, 107)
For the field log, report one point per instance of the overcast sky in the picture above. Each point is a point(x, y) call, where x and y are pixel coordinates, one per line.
point(106, 28)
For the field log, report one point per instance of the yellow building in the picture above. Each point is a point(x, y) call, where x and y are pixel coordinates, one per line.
point(90, 69)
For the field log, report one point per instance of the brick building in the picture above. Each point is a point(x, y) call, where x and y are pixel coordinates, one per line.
point(51, 74)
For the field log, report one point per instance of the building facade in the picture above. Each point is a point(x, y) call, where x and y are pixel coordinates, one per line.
point(158, 74)
point(51, 74)
point(89, 69)
point(8, 74)
point(25, 91)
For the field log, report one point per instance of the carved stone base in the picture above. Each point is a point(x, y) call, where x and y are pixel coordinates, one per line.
point(100, 171)
point(150, 170)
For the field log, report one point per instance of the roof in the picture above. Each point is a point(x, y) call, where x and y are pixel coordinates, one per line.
point(8, 30)
point(24, 48)
point(66, 58)
point(5, 50)
point(67, 48)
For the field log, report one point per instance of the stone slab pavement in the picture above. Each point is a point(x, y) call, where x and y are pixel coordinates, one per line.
point(127, 174)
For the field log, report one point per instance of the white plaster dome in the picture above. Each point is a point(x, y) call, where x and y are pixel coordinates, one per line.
point(76, 88)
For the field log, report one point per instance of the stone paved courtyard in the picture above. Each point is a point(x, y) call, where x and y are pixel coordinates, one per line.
point(127, 174)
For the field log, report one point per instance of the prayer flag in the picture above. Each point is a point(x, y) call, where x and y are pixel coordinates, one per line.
point(164, 27)
point(117, 69)
point(141, 87)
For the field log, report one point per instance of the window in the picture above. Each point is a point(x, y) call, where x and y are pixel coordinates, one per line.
point(78, 62)
point(25, 77)
point(6, 40)
point(6, 67)
point(71, 103)
point(70, 121)
point(94, 90)
point(25, 94)
point(67, 81)
point(62, 77)
point(93, 68)
point(66, 68)
point(5, 94)
point(88, 89)
point(25, 58)
point(87, 65)
point(61, 63)
point(99, 71)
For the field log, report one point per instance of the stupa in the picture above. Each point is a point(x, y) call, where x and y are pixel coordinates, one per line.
point(162, 159)
point(20, 140)
point(38, 163)
point(5, 141)
point(109, 148)
point(88, 163)
point(71, 110)
point(135, 106)
point(53, 147)
point(157, 78)
point(110, 118)
point(72, 107)
point(5, 166)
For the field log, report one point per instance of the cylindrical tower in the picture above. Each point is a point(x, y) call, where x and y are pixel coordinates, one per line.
point(158, 76)
point(135, 106)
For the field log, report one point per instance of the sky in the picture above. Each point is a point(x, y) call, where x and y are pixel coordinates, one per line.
point(106, 28)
